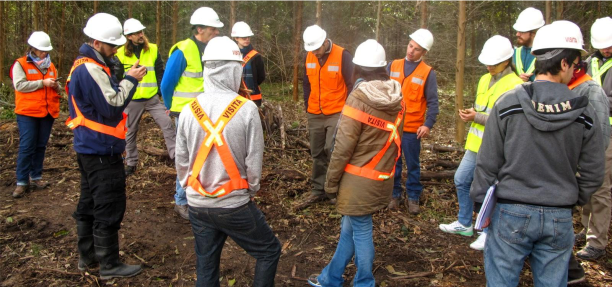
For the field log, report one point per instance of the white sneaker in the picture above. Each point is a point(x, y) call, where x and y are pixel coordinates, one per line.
point(457, 228)
point(479, 244)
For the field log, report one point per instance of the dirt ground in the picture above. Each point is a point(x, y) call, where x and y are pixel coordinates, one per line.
point(38, 234)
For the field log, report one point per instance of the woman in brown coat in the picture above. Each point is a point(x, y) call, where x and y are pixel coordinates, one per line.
point(360, 172)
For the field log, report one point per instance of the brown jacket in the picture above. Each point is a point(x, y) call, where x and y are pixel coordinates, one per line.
point(357, 143)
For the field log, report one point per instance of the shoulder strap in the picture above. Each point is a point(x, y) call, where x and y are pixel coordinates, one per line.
point(248, 57)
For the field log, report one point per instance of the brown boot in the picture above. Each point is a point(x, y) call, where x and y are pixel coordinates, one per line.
point(308, 201)
point(20, 190)
point(413, 207)
point(393, 204)
point(39, 184)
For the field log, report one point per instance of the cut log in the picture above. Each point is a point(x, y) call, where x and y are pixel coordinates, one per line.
point(301, 142)
point(150, 150)
point(441, 148)
point(442, 163)
point(446, 174)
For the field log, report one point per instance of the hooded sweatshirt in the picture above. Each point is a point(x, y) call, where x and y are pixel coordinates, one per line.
point(243, 134)
point(357, 143)
point(537, 138)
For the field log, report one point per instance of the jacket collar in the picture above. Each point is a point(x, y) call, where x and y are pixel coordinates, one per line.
point(88, 51)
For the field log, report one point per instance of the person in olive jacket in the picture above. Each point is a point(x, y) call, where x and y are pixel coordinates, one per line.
point(360, 173)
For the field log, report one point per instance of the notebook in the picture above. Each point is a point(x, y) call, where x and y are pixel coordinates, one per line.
point(488, 205)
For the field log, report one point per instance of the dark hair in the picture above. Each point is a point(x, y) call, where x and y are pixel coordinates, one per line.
point(371, 75)
point(194, 28)
point(553, 66)
point(129, 47)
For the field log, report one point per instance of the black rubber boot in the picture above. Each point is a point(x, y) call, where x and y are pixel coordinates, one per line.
point(85, 245)
point(107, 252)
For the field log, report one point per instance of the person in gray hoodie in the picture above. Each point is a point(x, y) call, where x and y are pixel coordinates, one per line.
point(219, 152)
point(543, 147)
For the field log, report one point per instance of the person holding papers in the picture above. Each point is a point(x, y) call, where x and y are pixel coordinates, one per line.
point(496, 55)
point(542, 142)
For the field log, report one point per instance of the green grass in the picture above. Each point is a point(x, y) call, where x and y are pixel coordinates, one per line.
point(7, 96)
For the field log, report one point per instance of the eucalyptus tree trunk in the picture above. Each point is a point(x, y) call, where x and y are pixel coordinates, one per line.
point(378, 15)
point(423, 14)
point(319, 11)
point(232, 14)
point(297, 32)
point(174, 20)
point(460, 126)
point(548, 11)
point(158, 24)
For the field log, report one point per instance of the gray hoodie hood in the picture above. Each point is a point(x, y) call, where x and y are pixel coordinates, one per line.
point(551, 106)
point(381, 95)
point(222, 76)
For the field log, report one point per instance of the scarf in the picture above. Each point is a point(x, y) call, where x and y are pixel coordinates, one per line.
point(41, 64)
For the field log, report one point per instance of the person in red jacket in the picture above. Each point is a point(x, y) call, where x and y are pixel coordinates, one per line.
point(36, 106)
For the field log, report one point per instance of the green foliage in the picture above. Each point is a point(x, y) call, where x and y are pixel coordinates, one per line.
point(7, 102)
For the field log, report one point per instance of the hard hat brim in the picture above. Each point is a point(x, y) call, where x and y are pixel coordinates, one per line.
point(601, 45)
point(124, 33)
point(44, 49)
point(117, 42)
point(243, 35)
point(314, 47)
point(356, 62)
point(524, 29)
point(492, 62)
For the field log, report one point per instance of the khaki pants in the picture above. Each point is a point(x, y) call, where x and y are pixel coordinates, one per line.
point(134, 110)
point(596, 213)
point(321, 129)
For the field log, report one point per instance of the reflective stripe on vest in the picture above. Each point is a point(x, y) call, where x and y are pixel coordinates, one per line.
point(191, 82)
point(119, 131)
point(579, 81)
point(245, 60)
point(147, 87)
point(518, 63)
point(485, 100)
point(413, 91)
point(368, 170)
point(40, 102)
point(597, 71)
point(214, 137)
point(327, 88)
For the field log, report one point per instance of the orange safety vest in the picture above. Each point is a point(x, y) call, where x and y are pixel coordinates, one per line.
point(41, 102)
point(413, 90)
point(327, 88)
point(119, 131)
point(368, 170)
point(245, 60)
point(579, 81)
point(214, 137)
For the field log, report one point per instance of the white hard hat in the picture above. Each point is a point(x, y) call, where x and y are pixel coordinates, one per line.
point(529, 20)
point(241, 29)
point(601, 33)
point(370, 54)
point(423, 37)
point(558, 35)
point(41, 41)
point(222, 49)
point(207, 17)
point(132, 26)
point(496, 50)
point(105, 28)
point(314, 37)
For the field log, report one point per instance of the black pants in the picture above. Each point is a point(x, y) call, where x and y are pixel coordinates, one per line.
point(102, 198)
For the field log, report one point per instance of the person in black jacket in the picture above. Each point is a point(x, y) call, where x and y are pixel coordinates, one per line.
point(253, 73)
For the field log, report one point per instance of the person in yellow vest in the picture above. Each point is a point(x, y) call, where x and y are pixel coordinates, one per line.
point(219, 153)
point(183, 80)
point(36, 107)
point(327, 83)
point(496, 55)
point(146, 97)
point(367, 145)
point(96, 101)
point(596, 213)
point(253, 73)
point(420, 91)
point(526, 26)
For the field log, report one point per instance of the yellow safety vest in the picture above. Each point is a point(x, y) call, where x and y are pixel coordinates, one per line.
point(191, 82)
point(147, 87)
point(597, 72)
point(485, 100)
point(518, 63)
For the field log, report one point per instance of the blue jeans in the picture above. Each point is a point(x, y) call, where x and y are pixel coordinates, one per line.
point(355, 239)
point(247, 226)
point(463, 181)
point(180, 197)
point(411, 148)
point(545, 234)
point(33, 137)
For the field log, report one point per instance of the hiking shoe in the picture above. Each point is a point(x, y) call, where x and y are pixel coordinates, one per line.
point(479, 244)
point(314, 281)
point(311, 199)
point(575, 272)
point(20, 190)
point(393, 204)
point(182, 210)
point(39, 184)
point(129, 170)
point(413, 207)
point(590, 253)
point(457, 228)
